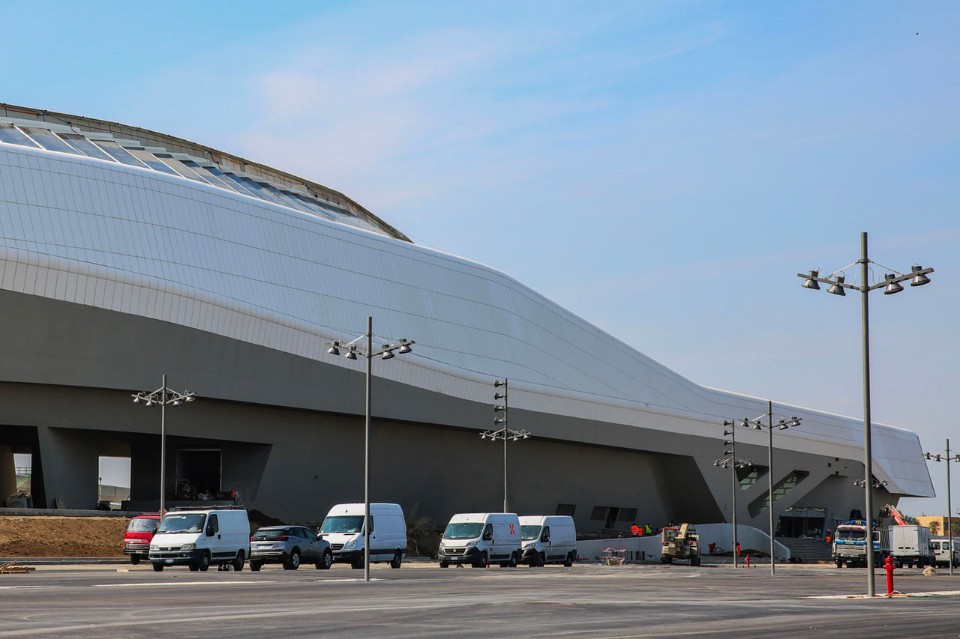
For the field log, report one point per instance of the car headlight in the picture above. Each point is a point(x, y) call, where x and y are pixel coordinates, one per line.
point(154, 547)
point(471, 544)
point(350, 545)
point(188, 547)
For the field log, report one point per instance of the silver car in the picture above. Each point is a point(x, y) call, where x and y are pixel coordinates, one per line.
point(290, 546)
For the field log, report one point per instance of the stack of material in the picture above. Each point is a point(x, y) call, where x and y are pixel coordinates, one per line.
point(14, 568)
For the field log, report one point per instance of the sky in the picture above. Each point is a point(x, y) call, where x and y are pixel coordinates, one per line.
point(662, 169)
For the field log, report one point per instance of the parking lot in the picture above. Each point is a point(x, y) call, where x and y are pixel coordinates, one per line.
point(423, 600)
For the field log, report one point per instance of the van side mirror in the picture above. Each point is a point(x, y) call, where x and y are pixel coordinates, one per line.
point(545, 537)
point(487, 536)
point(210, 531)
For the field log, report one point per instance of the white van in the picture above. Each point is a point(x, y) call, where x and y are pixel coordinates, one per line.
point(548, 539)
point(199, 537)
point(343, 529)
point(941, 551)
point(481, 538)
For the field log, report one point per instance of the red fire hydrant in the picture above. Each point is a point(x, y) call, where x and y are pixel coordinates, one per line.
point(888, 566)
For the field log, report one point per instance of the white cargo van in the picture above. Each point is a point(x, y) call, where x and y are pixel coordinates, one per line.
point(481, 538)
point(343, 529)
point(941, 551)
point(199, 537)
point(548, 539)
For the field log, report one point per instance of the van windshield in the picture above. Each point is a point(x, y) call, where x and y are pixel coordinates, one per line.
point(142, 524)
point(192, 523)
point(463, 530)
point(529, 533)
point(342, 524)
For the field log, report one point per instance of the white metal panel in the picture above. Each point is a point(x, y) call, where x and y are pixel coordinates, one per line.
point(263, 273)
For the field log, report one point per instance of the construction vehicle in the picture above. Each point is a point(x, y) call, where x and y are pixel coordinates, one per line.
point(909, 543)
point(849, 547)
point(680, 542)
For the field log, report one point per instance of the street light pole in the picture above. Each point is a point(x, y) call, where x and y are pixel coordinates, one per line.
point(504, 433)
point(867, 434)
point(385, 352)
point(731, 461)
point(773, 557)
point(783, 424)
point(163, 396)
point(937, 457)
point(891, 285)
point(366, 453)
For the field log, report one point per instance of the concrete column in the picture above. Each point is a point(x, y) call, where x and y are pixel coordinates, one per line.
point(70, 467)
point(8, 473)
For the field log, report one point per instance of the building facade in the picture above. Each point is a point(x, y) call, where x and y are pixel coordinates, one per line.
point(126, 254)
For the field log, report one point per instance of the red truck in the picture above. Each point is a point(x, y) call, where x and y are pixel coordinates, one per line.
point(139, 533)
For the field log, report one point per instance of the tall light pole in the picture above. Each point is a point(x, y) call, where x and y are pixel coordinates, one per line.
point(891, 285)
point(947, 458)
point(386, 351)
point(783, 424)
point(731, 461)
point(163, 396)
point(504, 433)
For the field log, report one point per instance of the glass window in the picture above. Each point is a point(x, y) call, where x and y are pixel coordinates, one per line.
point(152, 162)
point(142, 524)
point(269, 534)
point(179, 167)
point(185, 523)
point(12, 135)
point(206, 174)
point(241, 187)
point(467, 530)
point(118, 153)
point(48, 140)
point(342, 524)
point(314, 207)
point(85, 146)
point(528, 533)
point(217, 174)
point(260, 190)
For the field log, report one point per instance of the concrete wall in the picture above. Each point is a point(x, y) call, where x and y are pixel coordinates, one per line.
point(292, 437)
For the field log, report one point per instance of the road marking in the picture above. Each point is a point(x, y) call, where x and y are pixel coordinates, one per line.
point(935, 593)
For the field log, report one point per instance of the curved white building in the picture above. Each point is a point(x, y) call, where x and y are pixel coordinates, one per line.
point(125, 254)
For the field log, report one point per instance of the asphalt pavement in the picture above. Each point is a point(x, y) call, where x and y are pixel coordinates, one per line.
point(423, 600)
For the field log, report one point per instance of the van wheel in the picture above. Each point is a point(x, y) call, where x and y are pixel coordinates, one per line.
point(513, 560)
point(357, 563)
point(397, 560)
point(326, 561)
point(541, 560)
point(444, 564)
point(294, 561)
point(255, 566)
point(204, 562)
point(157, 567)
point(482, 562)
point(568, 562)
point(134, 559)
point(238, 561)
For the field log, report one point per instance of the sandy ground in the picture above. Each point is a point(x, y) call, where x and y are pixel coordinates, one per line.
point(62, 536)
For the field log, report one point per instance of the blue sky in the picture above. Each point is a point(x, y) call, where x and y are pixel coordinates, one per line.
point(663, 169)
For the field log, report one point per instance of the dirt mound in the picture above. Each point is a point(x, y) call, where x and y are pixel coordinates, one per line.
point(62, 536)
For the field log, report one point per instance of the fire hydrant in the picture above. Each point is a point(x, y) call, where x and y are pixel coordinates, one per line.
point(888, 566)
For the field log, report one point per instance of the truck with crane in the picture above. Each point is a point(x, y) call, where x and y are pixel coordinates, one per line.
point(909, 543)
